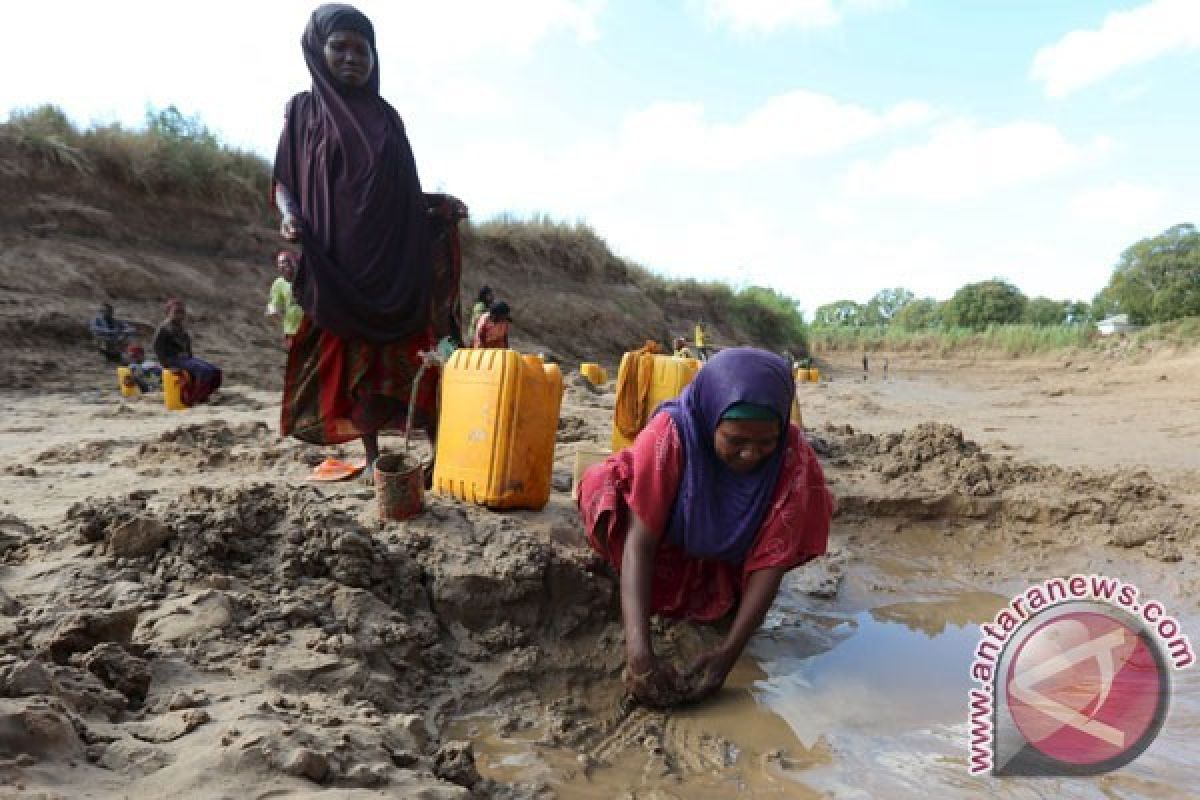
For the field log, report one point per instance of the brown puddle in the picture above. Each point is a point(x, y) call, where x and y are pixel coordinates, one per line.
point(862, 696)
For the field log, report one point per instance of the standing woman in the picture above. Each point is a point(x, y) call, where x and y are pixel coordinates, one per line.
point(717, 498)
point(346, 184)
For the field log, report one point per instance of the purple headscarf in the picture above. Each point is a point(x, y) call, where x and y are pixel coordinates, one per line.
point(718, 512)
point(366, 270)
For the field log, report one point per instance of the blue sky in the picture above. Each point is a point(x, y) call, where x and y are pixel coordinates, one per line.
point(827, 148)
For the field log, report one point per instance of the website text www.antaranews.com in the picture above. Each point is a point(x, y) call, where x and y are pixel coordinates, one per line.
point(1036, 599)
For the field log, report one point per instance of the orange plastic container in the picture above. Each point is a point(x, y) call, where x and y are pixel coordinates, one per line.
point(499, 417)
point(173, 381)
point(126, 383)
point(671, 375)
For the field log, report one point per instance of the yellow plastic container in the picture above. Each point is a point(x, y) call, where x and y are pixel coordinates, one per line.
point(810, 375)
point(172, 381)
point(126, 383)
point(595, 373)
point(499, 417)
point(671, 375)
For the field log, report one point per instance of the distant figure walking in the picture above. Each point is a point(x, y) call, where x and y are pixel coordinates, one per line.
point(866, 366)
point(885, 367)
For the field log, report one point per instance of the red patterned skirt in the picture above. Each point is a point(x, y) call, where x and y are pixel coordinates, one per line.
point(336, 390)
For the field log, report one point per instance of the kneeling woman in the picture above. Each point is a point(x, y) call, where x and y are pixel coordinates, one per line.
point(173, 349)
point(716, 499)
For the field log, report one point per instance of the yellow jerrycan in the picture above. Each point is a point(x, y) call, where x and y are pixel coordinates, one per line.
point(173, 381)
point(496, 429)
point(671, 375)
point(126, 383)
point(596, 374)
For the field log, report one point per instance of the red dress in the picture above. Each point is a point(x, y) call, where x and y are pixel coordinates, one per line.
point(643, 479)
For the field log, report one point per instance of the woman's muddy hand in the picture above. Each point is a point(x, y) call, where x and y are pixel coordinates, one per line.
point(707, 673)
point(653, 682)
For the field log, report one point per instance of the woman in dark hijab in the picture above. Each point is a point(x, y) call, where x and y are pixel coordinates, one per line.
point(346, 184)
point(716, 499)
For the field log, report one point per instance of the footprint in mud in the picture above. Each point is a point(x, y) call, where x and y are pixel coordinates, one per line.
point(211, 444)
point(122, 410)
point(573, 429)
point(234, 400)
point(658, 745)
point(79, 453)
point(13, 532)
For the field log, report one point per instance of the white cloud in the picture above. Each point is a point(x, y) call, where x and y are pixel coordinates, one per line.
point(661, 145)
point(795, 125)
point(444, 33)
point(768, 16)
point(117, 57)
point(962, 161)
point(1142, 34)
point(1122, 204)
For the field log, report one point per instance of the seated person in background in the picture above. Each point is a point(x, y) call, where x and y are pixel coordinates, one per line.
point(173, 348)
point(493, 327)
point(109, 333)
point(716, 499)
point(681, 348)
point(281, 302)
point(146, 372)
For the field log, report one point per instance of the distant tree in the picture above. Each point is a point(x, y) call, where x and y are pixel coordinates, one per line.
point(1079, 313)
point(1158, 279)
point(1104, 305)
point(771, 318)
point(881, 308)
point(917, 315)
point(1045, 312)
point(170, 123)
point(841, 314)
point(978, 305)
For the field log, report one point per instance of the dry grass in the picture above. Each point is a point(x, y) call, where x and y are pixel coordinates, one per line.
point(173, 156)
point(1010, 340)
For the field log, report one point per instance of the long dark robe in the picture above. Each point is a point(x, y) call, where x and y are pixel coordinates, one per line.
point(344, 157)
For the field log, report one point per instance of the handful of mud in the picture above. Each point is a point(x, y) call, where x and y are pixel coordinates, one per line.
point(681, 688)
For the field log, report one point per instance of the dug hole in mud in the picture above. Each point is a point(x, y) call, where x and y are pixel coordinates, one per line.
point(277, 640)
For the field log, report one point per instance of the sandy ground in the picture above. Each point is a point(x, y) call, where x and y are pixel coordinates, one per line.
point(182, 615)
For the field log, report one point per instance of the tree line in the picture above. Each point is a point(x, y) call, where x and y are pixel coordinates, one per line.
point(1156, 280)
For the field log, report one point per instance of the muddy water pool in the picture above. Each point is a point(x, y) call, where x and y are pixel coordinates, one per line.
point(860, 696)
